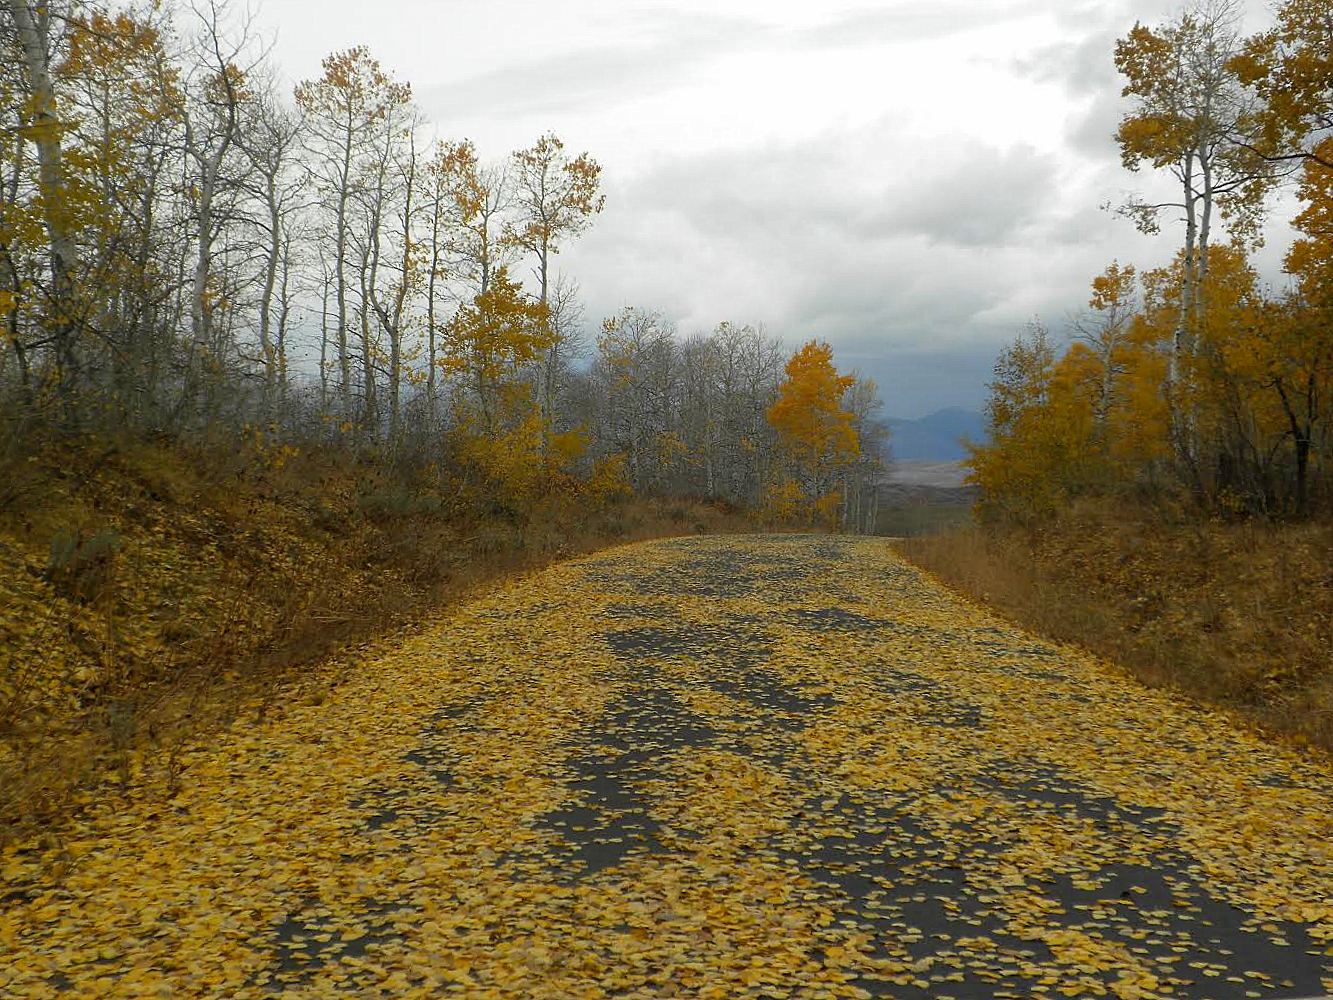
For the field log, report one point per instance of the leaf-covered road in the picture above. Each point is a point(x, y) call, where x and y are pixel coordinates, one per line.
point(768, 766)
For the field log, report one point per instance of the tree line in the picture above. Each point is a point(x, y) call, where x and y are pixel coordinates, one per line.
point(187, 248)
point(1194, 378)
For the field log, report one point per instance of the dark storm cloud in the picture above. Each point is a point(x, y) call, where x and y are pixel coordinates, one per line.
point(918, 377)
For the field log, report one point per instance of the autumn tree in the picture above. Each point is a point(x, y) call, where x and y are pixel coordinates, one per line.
point(813, 427)
point(1291, 67)
point(1105, 331)
point(347, 112)
point(1298, 346)
point(1189, 115)
point(53, 199)
point(488, 349)
point(861, 477)
point(89, 216)
point(178, 236)
point(555, 198)
point(1019, 392)
point(488, 344)
point(473, 200)
point(1193, 378)
point(463, 208)
point(1047, 438)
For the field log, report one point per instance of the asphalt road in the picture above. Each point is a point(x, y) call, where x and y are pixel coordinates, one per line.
point(777, 766)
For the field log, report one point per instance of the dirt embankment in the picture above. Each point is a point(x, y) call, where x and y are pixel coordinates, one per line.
point(1237, 614)
point(147, 589)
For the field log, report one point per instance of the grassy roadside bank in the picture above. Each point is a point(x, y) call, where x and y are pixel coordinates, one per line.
point(1239, 615)
point(151, 592)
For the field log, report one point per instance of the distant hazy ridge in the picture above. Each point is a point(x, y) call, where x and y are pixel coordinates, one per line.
point(936, 436)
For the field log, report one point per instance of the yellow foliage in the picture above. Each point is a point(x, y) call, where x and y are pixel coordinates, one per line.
point(564, 449)
point(1290, 67)
point(520, 461)
point(1139, 420)
point(814, 428)
point(608, 481)
point(429, 829)
point(785, 501)
point(508, 455)
point(490, 340)
point(1311, 257)
point(826, 507)
point(808, 414)
point(1198, 391)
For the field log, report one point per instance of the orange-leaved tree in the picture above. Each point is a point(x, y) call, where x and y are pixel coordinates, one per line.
point(1299, 346)
point(814, 429)
point(1290, 66)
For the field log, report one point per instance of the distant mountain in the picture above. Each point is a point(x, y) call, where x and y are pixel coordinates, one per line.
point(936, 436)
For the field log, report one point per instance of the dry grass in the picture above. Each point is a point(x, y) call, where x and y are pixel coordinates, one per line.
point(1239, 615)
point(150, 594)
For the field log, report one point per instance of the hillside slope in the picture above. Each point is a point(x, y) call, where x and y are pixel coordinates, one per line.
point(147, 588)
point(1239, 614)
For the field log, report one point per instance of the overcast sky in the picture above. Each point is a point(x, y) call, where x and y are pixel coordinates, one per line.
point(911, 180)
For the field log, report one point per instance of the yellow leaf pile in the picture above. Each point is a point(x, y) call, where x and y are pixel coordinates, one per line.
point(748, 767)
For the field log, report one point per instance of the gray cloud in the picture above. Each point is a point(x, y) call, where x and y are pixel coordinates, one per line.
point(1092, 132)
point(912, 22)
point(928, 269)
point(1085, 66)
point(963, 193)
point(917, 244)
point(986, 197)
point(668, 49)
point(1085, 69)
